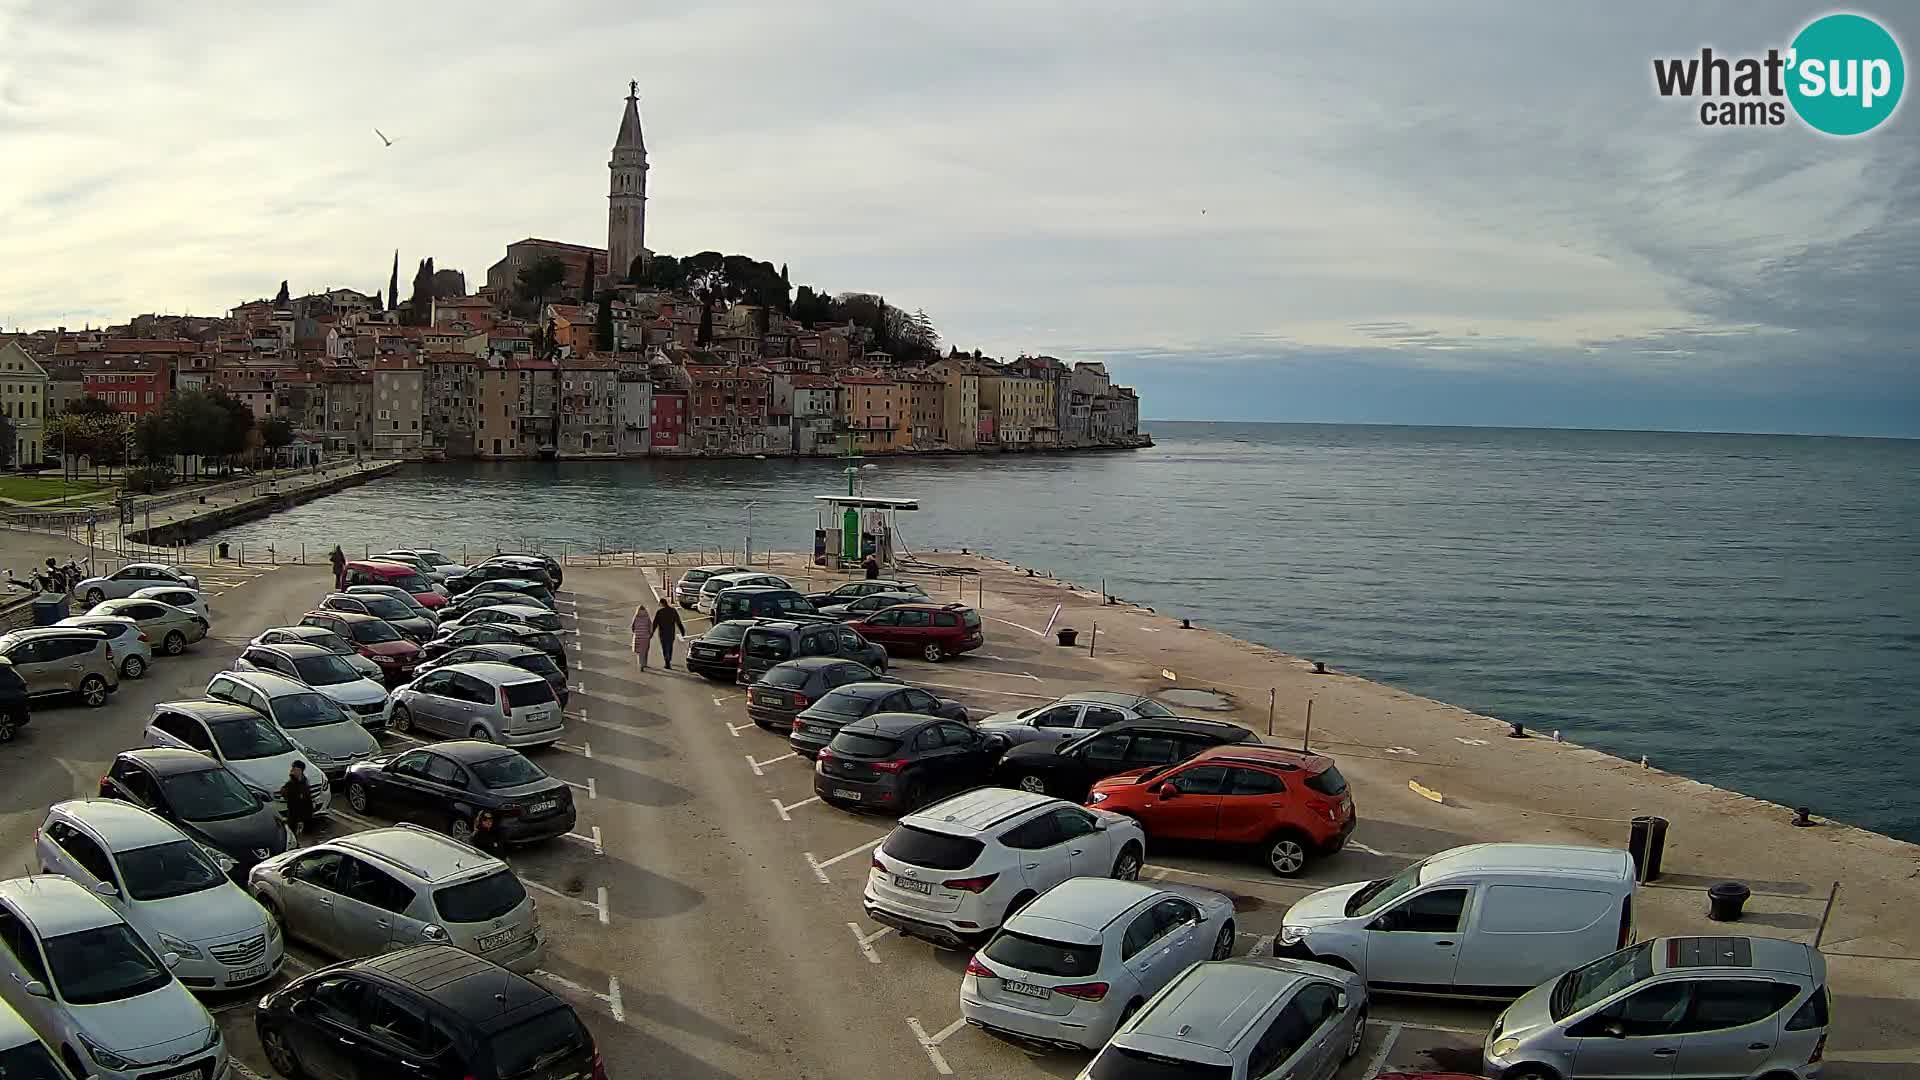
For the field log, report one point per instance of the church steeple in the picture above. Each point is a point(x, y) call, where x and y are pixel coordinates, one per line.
point(627, 192)
point(630, 136)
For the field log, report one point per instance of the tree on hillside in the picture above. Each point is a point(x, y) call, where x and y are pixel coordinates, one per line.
point(420, 304)
point(6, 441)
point(603, 325)
point(786, 289)
point(710, 288)
point(586, 281)
point(276, 433)
point(90, 406)
point(280, 298)
point(540, 278)
point(393, 283)
point(810, 306)
point(664, 272)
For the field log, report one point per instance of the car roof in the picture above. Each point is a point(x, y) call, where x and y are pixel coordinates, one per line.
point(814, 663)
point(498, 649)
point(743, 574)
point(755, 590)
point(1757, 953)
point(1275, 757)
point(1104, 697)
point(31, 633)
point(1214, 1005)
point(1560, 859)
point(120, 602)
point(928, 605)
point(298, 630)
point(294, 650)
point(379, 564)
point(1180, 723)
point(514, 583)
point(182, 587)
point(892, 723)
point(470, 750)
point(272, 683)
point(534, 609)
point(206, 709)
point(1085, 904)
point(56, 905)
point(347, 615)
point(425, 854)
point(978, 810)
point(866, 689)
point(716, 568)
point(171, 572)
point(457, 980)
point(496, 673)
point(170, 760)
point(124, 826)
point(83, 620)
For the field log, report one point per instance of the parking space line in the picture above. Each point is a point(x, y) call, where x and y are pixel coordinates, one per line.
point(1262, 946)
point(611, 997)
point(820, 868)
point(614, 1004)
point(353, 818)
point(783, 808)
point(241, 1070)
point(602, 906)
point(931, 1044)
point(734, 729)
point(1269, 882)
point(866, 940)
point(1009, 622)
point(591, 841)
point(404, 737)
point(585, 749)
point(759, 766)
point(591, 787)
point(723, 699)
point(1379, 1059)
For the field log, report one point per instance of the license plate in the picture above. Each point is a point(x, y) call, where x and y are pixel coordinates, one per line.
point(819, 729)
point(248, 974)
point(191, 1072)
point(1026, 990)
point(843, 793)
point(543, 806)
point(494, 941)
point(922, 887)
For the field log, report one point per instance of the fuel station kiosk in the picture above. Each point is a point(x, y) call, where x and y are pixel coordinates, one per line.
point(851, 527)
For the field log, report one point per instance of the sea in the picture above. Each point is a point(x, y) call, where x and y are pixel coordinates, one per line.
point(1742, 609)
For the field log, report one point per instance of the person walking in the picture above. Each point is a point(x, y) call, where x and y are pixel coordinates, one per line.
point(339, 560)
point(642, 634)
point(873, 567)
point(666, 623)
point(298, 797)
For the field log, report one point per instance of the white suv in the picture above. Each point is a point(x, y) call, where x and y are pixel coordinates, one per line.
point(169, 887)
point(953, 872)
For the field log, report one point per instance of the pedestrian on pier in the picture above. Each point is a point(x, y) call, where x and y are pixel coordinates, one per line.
point(339, 560)
point(642, 634)
point(873, 567)
point(666, 623)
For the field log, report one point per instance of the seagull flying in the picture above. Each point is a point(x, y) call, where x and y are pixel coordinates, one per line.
point(383, 137)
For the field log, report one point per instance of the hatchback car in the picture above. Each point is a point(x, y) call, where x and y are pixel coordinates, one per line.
point(1067, 968)
point(686, 591)
point(92, 987)
point(202, 799)
point(496, 703)
point(174, 628)
point(397, 615)
point(525, 657)
point(479, 575)
point(1284, 805)
point(850, 591)
point(1070, 769)
point(931, 632)
point(374, 638)
point(397, 593)
point(417, 585)
point(438, 564)
point(493, 594)
point(774, 641)
point(530, 590)
point(535, 563)
point(779, 695)
point(862, 606)
point(325, 639)
point(716, 653)
point(326, 673)
point(953, 872)
point(402, 885)
point(332, 737)
point(762, 602)
point(817, 724)
point(498, 634)
point(129, 579)
point(167, 886)
point(59, 660)
point(900, 761)
point(712, 587)
point(179, 596)
point(1072, 716)
point(1243, 1019)
point(1684, 1006)
point(518, 614)
point(478, 792)
point(130, 644)
point(248, 744)
point(430, 1007)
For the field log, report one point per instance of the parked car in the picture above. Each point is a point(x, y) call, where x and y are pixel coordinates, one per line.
point(95, 990)
point(953, 872)
point(1072, 715)
point(525, 657)
point(496, 703)
point(412, 561)
point(202, 798)
point(325, 639)
point(494, 593)
point(932, 632)
point(1481, 920)
point(1681, 1006)
point(15, 710)
point(520, 614)
point(374, 638)
point(396, 614)
point(416, 584)
point(179, 596)
point(131, 647)
point(129, 579)
point(438, 565)
point(478, 1020)
point(848, 592)
point(332, 737)
point(1254, 1017)
point(762, 602)
point(1068, 967)
point(532, 561)
point(775, 641)
point(862, 606)
point(60, 660)
point(22, 1053)
point(247, 743)
point(498, 634)
point(817, 724)
point(1069, 770)
point(712, 587)
point(388, 888)
point(478, 792)
point(466, 580)
point(167, 886)
point(1284, 805)
point(900, 761)
point(174, 628)
point(786, 688)
point(716, 653)
point(686, 591)
point(396, 592)
point(332, 676)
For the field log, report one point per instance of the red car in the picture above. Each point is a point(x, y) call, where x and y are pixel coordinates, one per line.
point(375, 639)
point(932, 632)
point(1285, 804)
point(386, 573)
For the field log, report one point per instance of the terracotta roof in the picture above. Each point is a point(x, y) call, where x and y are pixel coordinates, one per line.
point(395, 363)
point(450, 358)
point(812, 382)
point(145, 345)
point(587, 363)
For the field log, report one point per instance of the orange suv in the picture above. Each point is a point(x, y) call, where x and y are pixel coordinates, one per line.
point(1285, 804)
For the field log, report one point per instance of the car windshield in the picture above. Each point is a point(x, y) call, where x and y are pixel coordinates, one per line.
point(484, 898)
point(385, 607)
point(30, 1061)
point(106, 963)
point(786, 678)
point(208, 795)
point(168, 870)
point(1042, 956)
point(1589, 985)
point(1378, 894)
point(933, 850)
point(296, 711)
point(551, 1036)
point(432, 558)
point(1121, 1063)
point(244, 738)
point(373, 632)
point(507, 770)
point(324, 670)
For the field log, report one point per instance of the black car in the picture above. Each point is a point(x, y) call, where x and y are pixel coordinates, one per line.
point(817, 724)
point(14, 711)
point(479, 790)
point(431, 1011)
point(492, 594)
point(460, 583)
point(497, 634)
point(775, 641)
point(763, 602)
point(863, 606)
point(716, 653)
point(524, 657)
point(854, 590)
point(203, 799)
point(547, 563)
point(1067, 770)
point(777, 696)
point(902, 761)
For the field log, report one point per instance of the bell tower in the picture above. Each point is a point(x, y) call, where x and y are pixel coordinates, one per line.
point(627, 192)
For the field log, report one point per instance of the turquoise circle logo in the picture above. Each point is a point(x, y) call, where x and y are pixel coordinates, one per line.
point(1847, 74)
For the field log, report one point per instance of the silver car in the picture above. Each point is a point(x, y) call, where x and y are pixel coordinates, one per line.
point(131, 578)
point(63, 660)
point(332, 738)
point(521, 614)
point(1072, 716)
point(686, 591)
point(385, 889)
point(365, 698)
point(1685, 1006)
point(324, 638)
point(131, 648)
point(1244, 1019)
point(174, 628)
point(491, 702)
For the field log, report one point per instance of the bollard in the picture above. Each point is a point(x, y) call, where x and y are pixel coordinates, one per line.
point(1725, 901)
point(1093, 637)
point(1067, 636)
point(1647, 843)
point(1516, 730)
point(1803, 818)
point(1319, 667)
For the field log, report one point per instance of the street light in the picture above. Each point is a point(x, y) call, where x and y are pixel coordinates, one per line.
point(746, 546)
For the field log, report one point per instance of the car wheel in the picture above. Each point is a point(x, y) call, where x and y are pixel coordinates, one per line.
point(93, 691)
point(274, 913)
point(1033, 782)
point(357, 797)
point(6, 729)
point(400, 721)
point(95, 596)
point(932, 653)
point(480, 734)
point(279, 1054)
point(1223, 945)
point(175, 643)
point(1126, 867)
point(460, 829)
point(1126, 1014)
point(1530, 1072)
point(133, 668)
point(1286, 854)
point(1358, 1037)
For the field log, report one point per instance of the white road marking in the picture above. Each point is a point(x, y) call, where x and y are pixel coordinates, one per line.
point(759, 766)
point(866, 941)
point(585, 749)
point(1403, 750)
point(602, 905)
point(562, 980)
point(1469, 742)
point(1262, 946)
point(591, 841)
point(350, 816)
point(735, 729)
point(1028, 629)
point(820, 868)
point(722, 700)
point(1360, 847)
point(783, 809)
point(611, 997)
point(404, 737)
point(614, 1004)
point(1379, 1058)
point(591, 787)
point(240, 1070)
point(931, 1044)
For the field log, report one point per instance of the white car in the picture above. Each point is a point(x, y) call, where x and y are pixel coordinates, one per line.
point(329, 674)
point(132, 648)
point(440, 566)
point(686, 591)
point(1069, 967)
point(248, 744)
point(175, 891)
point(179, 596)
point(130, 579)
point(95, 990)
point(332, 738)
point(23, 1051)
point(953, 872)
point(711, 588)
point(326, 639)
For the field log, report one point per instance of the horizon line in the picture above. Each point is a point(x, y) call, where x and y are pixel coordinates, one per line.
point(1533, 427)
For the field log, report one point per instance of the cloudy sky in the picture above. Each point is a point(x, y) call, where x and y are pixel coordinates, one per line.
point(1352, 211)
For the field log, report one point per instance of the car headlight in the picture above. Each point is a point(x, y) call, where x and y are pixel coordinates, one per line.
point(1098, 797)
point(1292, 935)
point(219, 858)
point(1505, 1046)
point(187, 950)
point(273, 929)
point(318, 755)
point(104, 1057)
point(213, 1039)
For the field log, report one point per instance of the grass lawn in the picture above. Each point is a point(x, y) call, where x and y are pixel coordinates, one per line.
point(37, 488)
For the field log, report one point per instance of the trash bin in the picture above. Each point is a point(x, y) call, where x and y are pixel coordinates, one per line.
point(1646, 842)
point(223, 549)
point(1725, 900)
point(1067, 634)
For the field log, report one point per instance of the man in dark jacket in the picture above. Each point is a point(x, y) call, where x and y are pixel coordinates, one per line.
point(873, 567)
point(339, 560)
point(299, 798)
point(667, 624)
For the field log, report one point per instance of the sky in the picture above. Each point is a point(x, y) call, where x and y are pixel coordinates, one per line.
point(1469, 213)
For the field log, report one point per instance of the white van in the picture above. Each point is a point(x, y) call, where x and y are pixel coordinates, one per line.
point(1486, 920)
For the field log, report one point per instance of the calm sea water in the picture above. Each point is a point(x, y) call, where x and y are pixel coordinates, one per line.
point(1742, 609)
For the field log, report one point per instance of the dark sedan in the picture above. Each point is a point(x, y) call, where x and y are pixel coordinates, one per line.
point(480, 575)
point(778, 695)
point(477, 791)
point(716, 653)
point(200, 796)
point(901, 761)
point(1067, 770)
point(817, 724)
point(497, 634)
point(862, 606)
point(854, 590)
point(524, 657)
point(510, 591)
